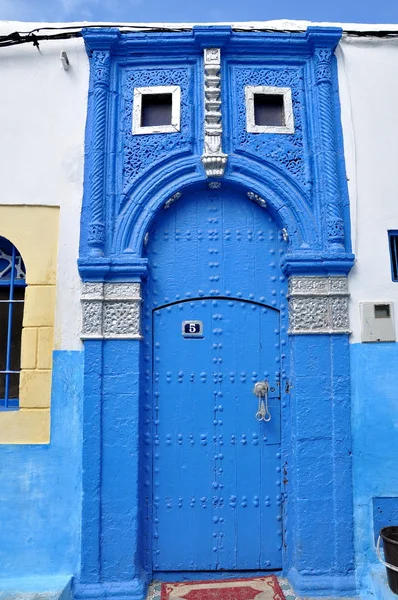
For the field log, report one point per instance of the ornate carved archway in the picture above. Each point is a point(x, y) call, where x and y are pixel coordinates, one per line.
point(129, 180)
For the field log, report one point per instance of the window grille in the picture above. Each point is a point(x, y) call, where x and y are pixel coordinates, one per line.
point(393, 241)
point(12, 293)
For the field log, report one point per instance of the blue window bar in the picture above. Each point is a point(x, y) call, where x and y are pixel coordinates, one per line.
point(12, 294)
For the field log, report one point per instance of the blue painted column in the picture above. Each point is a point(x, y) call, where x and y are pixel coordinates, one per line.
point(319, 471)
point(91, 463)
point(96, 152)
point(110, 518)
point(119, 473)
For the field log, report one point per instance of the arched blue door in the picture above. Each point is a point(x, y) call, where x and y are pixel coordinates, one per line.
point(215, 287)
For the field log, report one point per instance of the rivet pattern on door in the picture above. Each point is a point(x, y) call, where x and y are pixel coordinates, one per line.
point(216, 470)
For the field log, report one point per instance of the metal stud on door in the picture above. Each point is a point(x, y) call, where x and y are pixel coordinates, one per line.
point(217, 496)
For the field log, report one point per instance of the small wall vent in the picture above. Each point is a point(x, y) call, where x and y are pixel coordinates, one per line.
point(377, 321)
point(393, 243)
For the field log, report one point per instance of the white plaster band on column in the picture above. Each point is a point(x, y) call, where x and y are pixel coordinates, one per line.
point(318, 305)
point(111, 311)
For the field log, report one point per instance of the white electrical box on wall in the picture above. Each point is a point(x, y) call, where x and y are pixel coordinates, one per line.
point(377, 321)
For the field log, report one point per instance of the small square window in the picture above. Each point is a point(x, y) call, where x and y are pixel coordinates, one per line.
point(156, 109)
point(269, 109)
point(393, 243)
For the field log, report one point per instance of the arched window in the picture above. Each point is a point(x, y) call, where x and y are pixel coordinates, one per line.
point(12, 293)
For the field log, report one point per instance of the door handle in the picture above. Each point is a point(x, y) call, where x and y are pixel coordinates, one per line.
point(260, 390)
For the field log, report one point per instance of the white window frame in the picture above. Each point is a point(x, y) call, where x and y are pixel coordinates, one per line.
point(175, 92)
point(251, 91)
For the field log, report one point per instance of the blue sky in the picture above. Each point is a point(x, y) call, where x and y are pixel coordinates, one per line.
point(359, 11)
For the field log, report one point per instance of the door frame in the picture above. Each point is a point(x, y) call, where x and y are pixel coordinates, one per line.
point(319, 552)
point(316, 342)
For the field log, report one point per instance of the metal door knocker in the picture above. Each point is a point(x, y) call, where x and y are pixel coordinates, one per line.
point(260, 390)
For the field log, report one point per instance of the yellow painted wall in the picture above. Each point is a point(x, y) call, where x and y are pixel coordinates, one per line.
point(34, 231)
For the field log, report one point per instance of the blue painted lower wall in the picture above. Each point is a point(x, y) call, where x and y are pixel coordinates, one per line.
point(374, 383)
point(40, 490)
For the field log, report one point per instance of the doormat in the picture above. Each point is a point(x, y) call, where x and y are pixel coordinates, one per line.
point(257, 588)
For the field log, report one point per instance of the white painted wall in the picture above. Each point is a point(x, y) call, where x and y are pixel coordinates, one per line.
point(42, 118)
point(42, 122)
point(369, 103)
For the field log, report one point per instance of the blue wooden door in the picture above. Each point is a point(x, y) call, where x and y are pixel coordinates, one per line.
point(217, 494)
point(216, 468)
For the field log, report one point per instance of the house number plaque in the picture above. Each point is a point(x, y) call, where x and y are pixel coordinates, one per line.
point(192, 329)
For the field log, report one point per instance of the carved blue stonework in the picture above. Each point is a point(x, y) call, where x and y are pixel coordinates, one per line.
point(287, 152)
point(327, 156)
point(129, 177)
point(99, 97)
point(142, 152)
point(131, 181)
